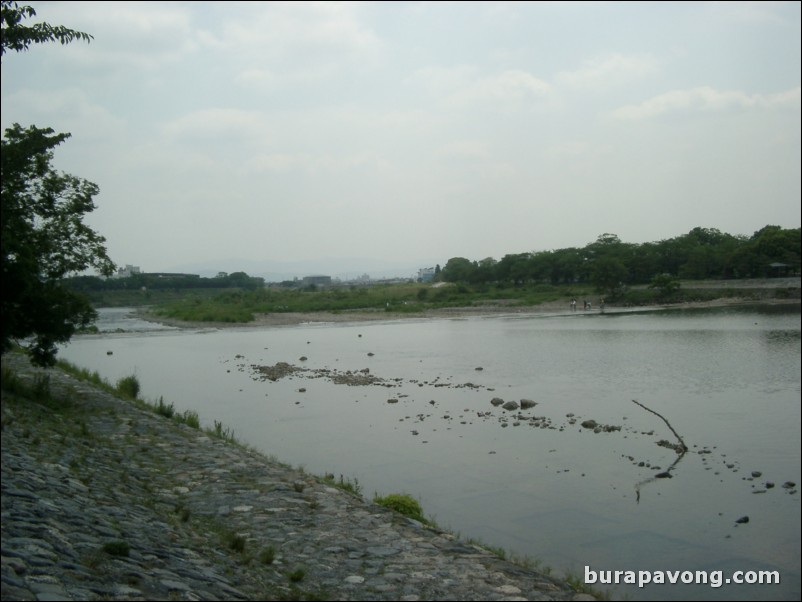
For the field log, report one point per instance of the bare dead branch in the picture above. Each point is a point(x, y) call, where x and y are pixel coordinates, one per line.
point(680, 449)
point(676, 434)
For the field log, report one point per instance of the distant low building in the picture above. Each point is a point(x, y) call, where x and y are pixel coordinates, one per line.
point(173, 275)
point(426, 274)
point(128, 271)
point(316, 281)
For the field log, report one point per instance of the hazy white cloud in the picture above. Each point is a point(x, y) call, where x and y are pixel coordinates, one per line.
point(138, 35)
point(285, 27)
point(463, 87)
point(416, 131)
point(510, 86)
point(257, 78)
point(216, 125)
point(277, 162)
point(464, 149)
point(302, 40)
point(754, 12)
point(76, 112)
point(571, 148)
point(707, 99)
point(609, 70)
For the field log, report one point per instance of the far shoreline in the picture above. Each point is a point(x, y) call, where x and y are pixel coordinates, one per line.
point(556, 308)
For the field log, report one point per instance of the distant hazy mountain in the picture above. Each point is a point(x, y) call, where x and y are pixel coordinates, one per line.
point(277, 271)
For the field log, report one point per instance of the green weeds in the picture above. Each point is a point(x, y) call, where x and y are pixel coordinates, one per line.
point(168, 411)
point(183, 512)
point(117, 548)
point(128, 387)
point(223, 433)
point(352, 487)
point(190, 418)
point(36, 389)
point(267, 555)
point(235, 542)
point(402, 503)
point(578, 583)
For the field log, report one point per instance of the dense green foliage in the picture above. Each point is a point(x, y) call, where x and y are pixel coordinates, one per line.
point(406, 299)
point(162, 282)
point(240, 306)
point(43, 239)
point(610, 264)
point(43, 235)
point(630, 274)
point(138, 298)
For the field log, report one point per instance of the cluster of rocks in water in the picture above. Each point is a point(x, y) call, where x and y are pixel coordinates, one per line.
point(594, 426)
point(355, 378)
point(525, 404)
point(513, 414)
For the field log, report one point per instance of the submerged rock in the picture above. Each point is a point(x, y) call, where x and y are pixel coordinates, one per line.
point(280, 370)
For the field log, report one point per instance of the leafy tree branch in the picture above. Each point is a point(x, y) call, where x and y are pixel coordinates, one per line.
point(16, 36)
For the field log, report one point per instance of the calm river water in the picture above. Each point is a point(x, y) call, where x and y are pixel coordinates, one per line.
point(727, 379)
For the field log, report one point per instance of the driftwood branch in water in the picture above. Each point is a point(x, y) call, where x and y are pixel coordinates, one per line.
point(654, 478)
point(681, 442)
point(680, 449)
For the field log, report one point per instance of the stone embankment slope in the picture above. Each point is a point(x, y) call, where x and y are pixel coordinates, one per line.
point(102, 499)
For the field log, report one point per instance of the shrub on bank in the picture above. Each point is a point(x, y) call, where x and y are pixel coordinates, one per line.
point(402, 503)
point(128, 386)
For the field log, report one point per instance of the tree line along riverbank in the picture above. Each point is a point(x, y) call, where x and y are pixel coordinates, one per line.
point(417, 299)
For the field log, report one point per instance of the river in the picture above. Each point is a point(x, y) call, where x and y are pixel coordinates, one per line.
point(534, 481)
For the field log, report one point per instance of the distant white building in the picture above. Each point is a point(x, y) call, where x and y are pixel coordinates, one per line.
point(128, 271)
point(316, 280)
point(426, 274)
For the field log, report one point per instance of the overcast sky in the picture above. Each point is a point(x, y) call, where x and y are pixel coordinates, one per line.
point(411, 133)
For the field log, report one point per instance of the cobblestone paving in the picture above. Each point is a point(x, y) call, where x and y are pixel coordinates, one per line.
point(102, 499)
